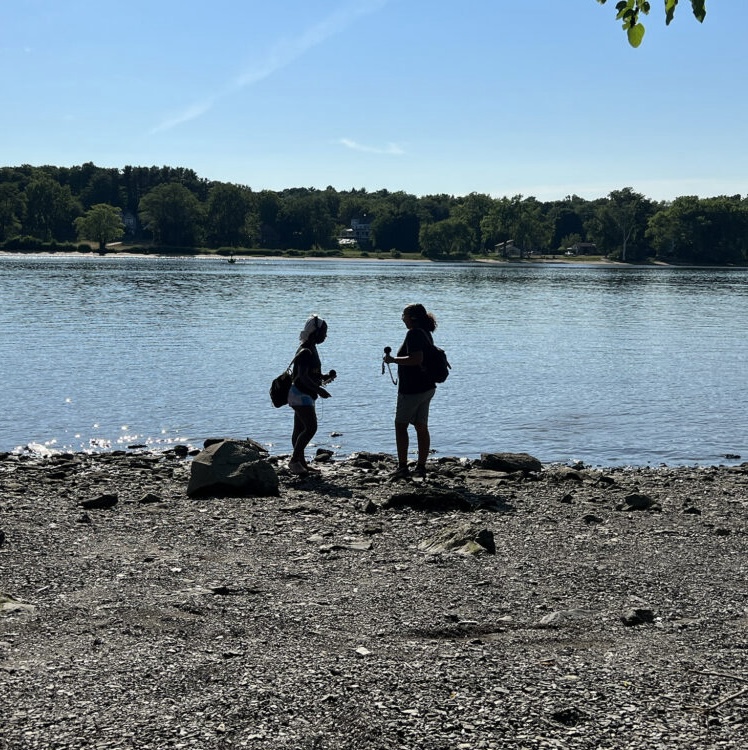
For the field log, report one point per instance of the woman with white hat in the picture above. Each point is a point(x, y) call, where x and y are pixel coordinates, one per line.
point(308, 381)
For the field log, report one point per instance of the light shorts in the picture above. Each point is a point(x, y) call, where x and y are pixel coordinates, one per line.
point(413, 408)
point(297, 398)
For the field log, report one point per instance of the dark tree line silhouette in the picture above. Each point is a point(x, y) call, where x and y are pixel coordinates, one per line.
point(170, 208)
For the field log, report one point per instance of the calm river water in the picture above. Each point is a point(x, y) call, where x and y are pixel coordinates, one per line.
point(610, 366)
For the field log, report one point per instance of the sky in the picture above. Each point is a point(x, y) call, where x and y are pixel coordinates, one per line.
point(540, 98)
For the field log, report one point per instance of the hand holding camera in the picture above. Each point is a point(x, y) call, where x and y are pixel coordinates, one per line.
point(386, 360)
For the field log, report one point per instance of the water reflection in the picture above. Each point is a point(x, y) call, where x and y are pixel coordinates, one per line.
point(605, 365)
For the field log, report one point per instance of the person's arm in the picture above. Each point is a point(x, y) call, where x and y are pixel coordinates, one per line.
point(412, 358)
point(415, 359)
point(307, 383)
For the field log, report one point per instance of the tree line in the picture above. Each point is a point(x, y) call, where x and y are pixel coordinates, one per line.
point(174, 209)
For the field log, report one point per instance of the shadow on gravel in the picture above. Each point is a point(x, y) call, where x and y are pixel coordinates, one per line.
point(441, 500)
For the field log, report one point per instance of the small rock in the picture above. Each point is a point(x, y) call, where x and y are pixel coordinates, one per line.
point(510, 462)
point(638, 501)
point(465, 539)
point(633, 617)
point(102, 502)
point(150, 497)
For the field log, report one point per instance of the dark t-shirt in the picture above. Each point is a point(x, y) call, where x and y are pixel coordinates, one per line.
point(414, 379)
point(307, 359)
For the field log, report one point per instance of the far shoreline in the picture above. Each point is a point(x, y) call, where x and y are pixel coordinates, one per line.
point(239, 259)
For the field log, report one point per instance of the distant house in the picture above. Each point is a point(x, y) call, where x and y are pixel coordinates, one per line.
point(131, 222)
point(359, 233)
point(507, 249)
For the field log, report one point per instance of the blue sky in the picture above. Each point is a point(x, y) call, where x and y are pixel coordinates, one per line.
point(538, 97)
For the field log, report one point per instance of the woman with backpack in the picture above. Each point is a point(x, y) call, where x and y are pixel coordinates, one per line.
point(307, 386)
point(415, 389)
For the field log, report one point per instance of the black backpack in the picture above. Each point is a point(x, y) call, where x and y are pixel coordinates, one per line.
point(435, 362)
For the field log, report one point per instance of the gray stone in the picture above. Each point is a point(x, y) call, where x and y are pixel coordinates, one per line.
point(510, 462)
point(634, 616)
point(102, 502)
point(232, 468)
point(638, 501)
point(466, 539)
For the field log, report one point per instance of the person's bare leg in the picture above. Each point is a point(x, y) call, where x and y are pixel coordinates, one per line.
point(424, 443)
point(401, 441)
point(304, 429)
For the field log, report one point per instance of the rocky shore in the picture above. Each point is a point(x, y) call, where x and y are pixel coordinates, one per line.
point(496, 604)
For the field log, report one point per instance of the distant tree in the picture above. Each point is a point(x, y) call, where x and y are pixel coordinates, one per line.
point(434, 208)
point(496, 224)
point(470, 210)
point(519, 219)
point(620, 224)
point(226, 215)
point(396, 222)
point(173, 214)
point(50, 209)
point(103, 187)
point(445, 238)
point(712, 230)
point(11, 209)
point(263, 218)
point(630, 10)
point(304, 221)
point(102, 223)
point(354, 206)
point(565, 220)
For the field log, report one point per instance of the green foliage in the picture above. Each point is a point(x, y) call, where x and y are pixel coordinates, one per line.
point(629, 12)
point(701, 231)
point(41, 206)
point(448, 238)
point(101, 224)
point(227, 212)
point(27, 244)
point(569, 241)
point(12, 207)
point(619, 224)
point(173, 214)
point(50, 209)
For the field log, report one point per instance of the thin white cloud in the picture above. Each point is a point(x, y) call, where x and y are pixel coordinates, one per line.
point(391, 149)
point(281, 55)
point(193, 111)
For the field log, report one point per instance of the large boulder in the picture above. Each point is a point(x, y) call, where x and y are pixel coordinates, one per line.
point(510, 462)
point(232, 468)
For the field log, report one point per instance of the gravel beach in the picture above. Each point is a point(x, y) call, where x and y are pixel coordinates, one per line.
point(559, 607)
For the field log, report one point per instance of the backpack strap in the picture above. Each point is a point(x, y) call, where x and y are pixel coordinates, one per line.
point(427, 336)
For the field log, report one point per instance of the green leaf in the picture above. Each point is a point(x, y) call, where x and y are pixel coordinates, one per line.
point(635, 35)
point(699, 9)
